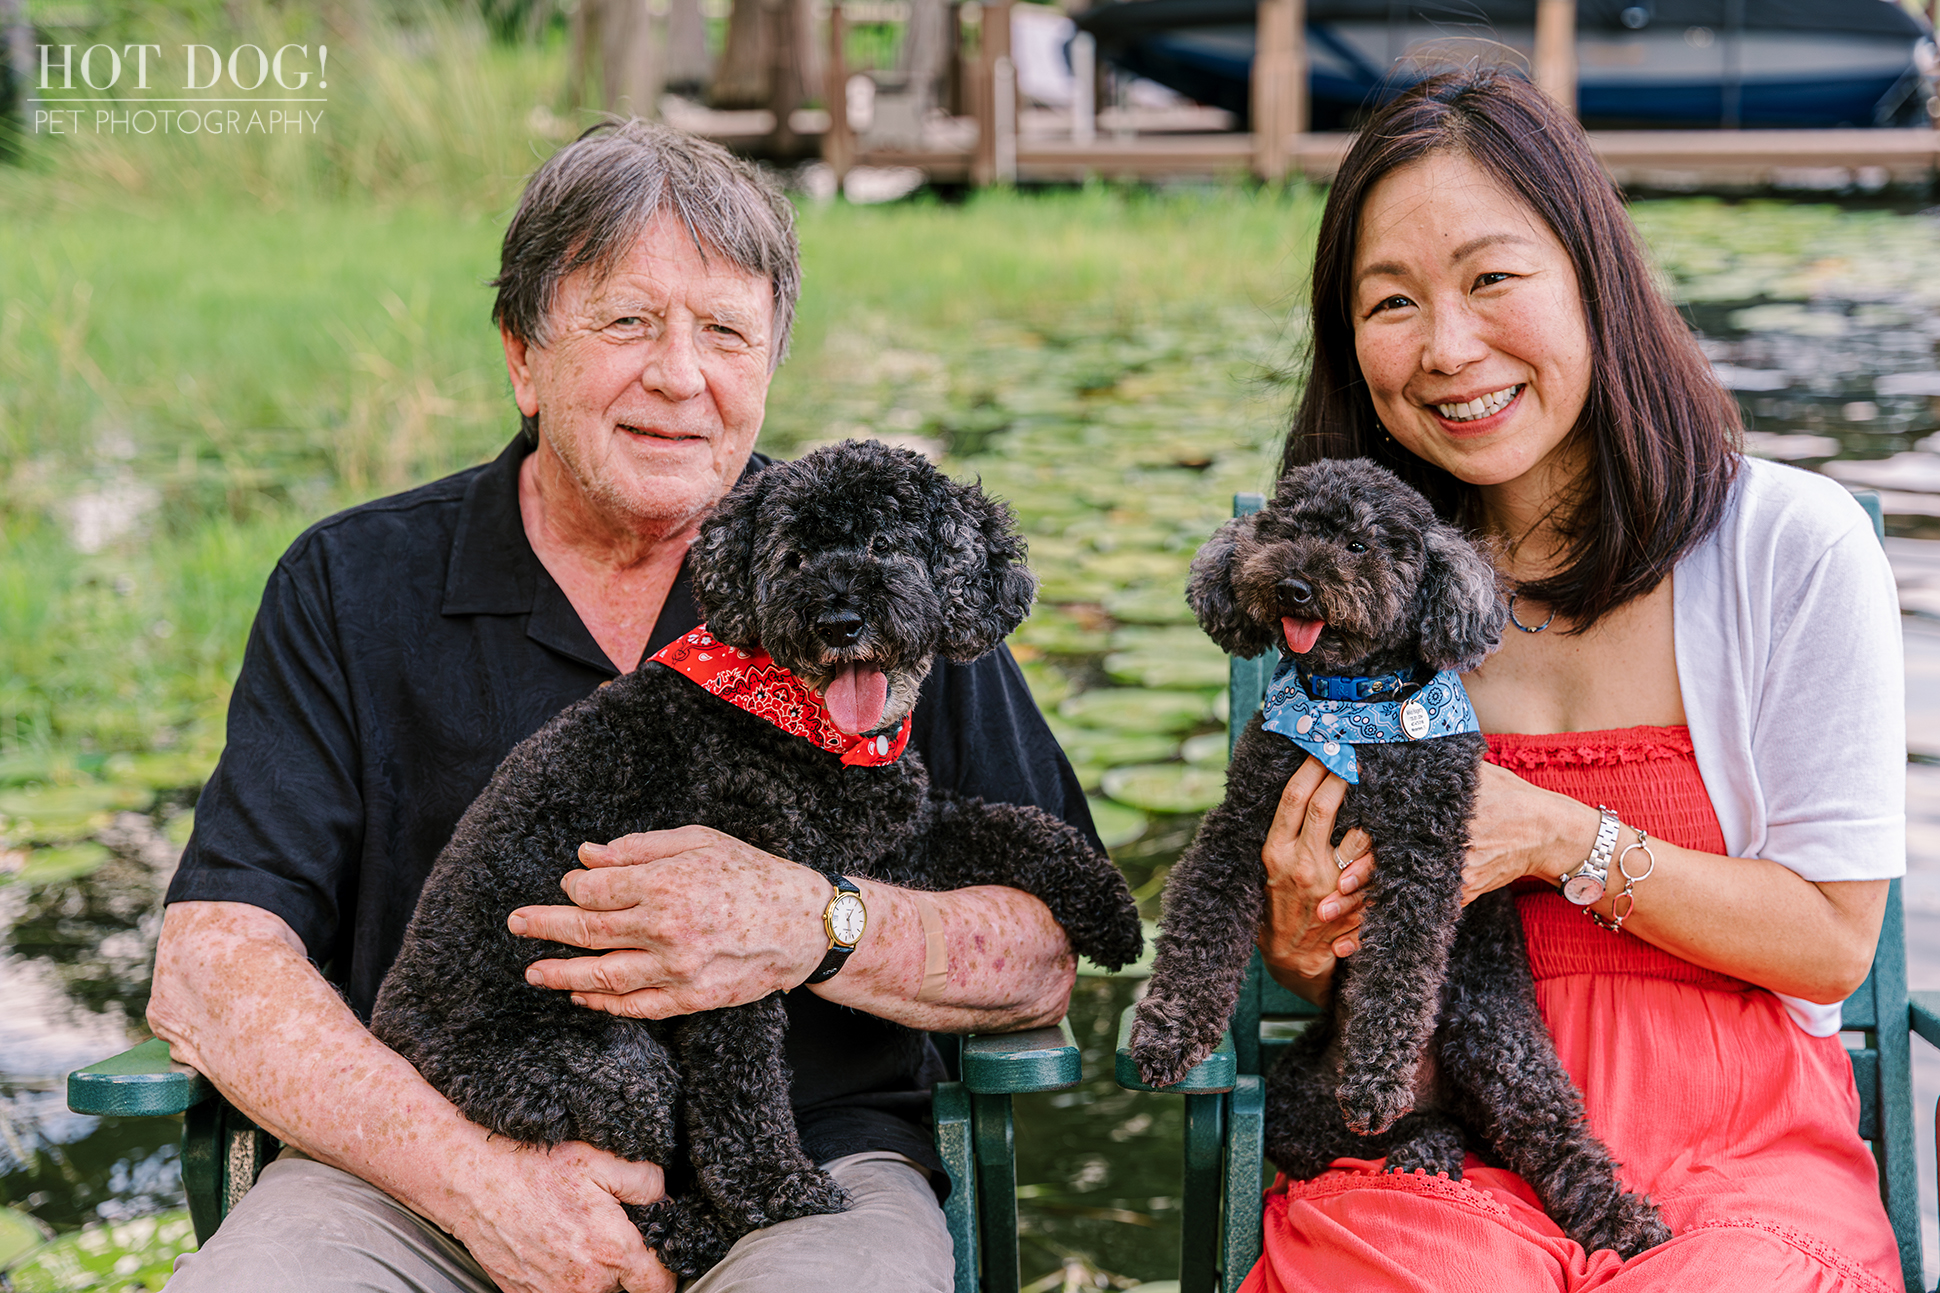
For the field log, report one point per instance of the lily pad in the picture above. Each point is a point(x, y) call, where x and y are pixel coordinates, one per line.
point(1209, 751)
point(1057, 633)
point(174, 770)
point(1166, 569)
point(54, 814)
point(59, 865)
point(1072, 586)
point(1167, 787)
point(1048, 686)
point(1138, 710)
point(22, 1232)
point(1150, 605)
point(1139, 969)
point(1167, 669)
point(1109, 747)
point(1116, 823)
point(117, 1258)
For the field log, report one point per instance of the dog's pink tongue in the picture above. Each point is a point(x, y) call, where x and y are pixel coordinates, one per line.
point(856, 698)
point(1301, 633)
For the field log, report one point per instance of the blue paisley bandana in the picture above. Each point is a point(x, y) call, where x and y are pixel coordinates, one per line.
point(1330, 729)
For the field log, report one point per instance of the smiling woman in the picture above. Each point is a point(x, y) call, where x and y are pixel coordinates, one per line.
point(1485, 324)
point(1534, 240)
point(1468, 319)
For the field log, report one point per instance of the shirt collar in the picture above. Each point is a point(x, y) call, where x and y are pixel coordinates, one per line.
point(494, 570)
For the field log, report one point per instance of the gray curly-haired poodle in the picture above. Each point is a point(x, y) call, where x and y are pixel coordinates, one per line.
point(1433, 1039)
point(854, 567)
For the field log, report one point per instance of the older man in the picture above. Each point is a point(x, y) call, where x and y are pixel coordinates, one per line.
point(646, 290)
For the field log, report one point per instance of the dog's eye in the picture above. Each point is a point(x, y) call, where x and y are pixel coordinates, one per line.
point(1356, 547)
point(791, 560)
point(878, 545)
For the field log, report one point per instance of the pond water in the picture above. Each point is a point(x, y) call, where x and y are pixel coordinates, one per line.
point(1120, 441)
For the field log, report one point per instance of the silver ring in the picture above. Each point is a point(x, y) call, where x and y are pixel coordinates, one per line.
point(1338, 864)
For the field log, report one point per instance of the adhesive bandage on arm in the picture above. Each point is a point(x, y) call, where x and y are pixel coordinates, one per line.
point(936, 951)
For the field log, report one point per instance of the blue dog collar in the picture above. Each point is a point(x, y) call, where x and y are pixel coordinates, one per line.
point(1330, 729)
point(1386, 686)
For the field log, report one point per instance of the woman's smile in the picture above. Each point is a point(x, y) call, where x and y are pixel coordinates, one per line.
point(1469, 326)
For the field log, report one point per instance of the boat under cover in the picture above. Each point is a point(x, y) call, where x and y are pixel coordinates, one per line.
point(1640, 63)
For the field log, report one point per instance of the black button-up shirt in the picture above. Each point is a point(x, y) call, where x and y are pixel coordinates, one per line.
point(402, 649)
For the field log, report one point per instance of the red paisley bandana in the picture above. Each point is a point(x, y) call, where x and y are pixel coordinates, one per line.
point(751, 680)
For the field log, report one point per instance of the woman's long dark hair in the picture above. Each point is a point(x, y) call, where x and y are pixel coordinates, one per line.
point(1662, 433)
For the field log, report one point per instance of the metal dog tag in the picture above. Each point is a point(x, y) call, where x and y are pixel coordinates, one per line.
point(1414, 719)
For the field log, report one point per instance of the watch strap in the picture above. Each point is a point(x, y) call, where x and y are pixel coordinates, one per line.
point(838, 953)
point(1598, 863)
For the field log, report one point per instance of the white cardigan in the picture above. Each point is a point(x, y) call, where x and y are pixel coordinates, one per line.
point(1788, 656)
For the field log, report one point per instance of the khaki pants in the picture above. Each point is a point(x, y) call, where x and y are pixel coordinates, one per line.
point(311, 1228)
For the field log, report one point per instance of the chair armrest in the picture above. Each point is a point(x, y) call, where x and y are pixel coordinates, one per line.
point(1218, 1072)
point(139, 1082)
point(1923, 1007)
point(1037, 1059)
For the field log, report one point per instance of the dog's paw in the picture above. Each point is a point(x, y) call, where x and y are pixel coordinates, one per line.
point(1434, 1148)
point(1164, 1044)
point(1374, 1102)
point(1631, 1226)
point(652, 1220)
point(807, 1193)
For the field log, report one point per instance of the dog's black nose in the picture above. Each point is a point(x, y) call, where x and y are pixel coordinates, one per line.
point(1298, 591)
point(839, 628)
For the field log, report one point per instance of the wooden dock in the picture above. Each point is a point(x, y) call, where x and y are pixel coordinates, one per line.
point(985, 145)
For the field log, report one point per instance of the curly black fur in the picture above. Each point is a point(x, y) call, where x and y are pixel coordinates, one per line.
point(1433, 1039)
point(856, 529)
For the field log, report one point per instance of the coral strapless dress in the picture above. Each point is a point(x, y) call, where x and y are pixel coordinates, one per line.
point(1738, 1125)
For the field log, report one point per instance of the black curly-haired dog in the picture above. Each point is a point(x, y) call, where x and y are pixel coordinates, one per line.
point(853, 567)
point(1433, 1038)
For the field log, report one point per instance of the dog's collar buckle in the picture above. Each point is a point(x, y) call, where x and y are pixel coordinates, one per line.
point(1387, 686)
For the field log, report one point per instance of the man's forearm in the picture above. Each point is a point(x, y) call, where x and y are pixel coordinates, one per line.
point(236, 998)
point(1009, 964)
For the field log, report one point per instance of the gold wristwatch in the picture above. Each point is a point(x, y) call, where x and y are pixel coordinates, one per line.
point(843, 920)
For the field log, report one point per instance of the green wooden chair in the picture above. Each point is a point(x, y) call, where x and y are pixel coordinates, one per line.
point(1225, 1147)
point(222, 1151)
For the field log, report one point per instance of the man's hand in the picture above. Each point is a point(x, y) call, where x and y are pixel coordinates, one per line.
point(549, 1221)
point(698, 920)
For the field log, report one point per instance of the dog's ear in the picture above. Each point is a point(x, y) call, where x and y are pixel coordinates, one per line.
point(722, 564)
point(986, 588)
point(1209, 591)
point(1459, 602)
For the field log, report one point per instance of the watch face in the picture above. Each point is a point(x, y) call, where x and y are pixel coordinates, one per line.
point(846, 919)
point(1583, 889)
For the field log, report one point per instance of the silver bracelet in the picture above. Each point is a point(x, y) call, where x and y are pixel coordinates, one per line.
point(1626, 901)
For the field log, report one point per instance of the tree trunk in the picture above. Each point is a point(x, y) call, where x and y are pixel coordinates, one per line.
point(741, 81)
point(634, 60)
point(785, 83)
point(926, 55)
point(688, 67)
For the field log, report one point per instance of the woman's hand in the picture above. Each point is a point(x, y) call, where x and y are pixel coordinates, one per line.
point(1523, 830)
point(1313, 904)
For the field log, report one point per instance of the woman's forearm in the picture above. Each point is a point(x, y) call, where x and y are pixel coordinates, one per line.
point(1007, 962)
point(1750, 918)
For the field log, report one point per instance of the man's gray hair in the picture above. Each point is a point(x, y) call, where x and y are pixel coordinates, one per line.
point(593, 199)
